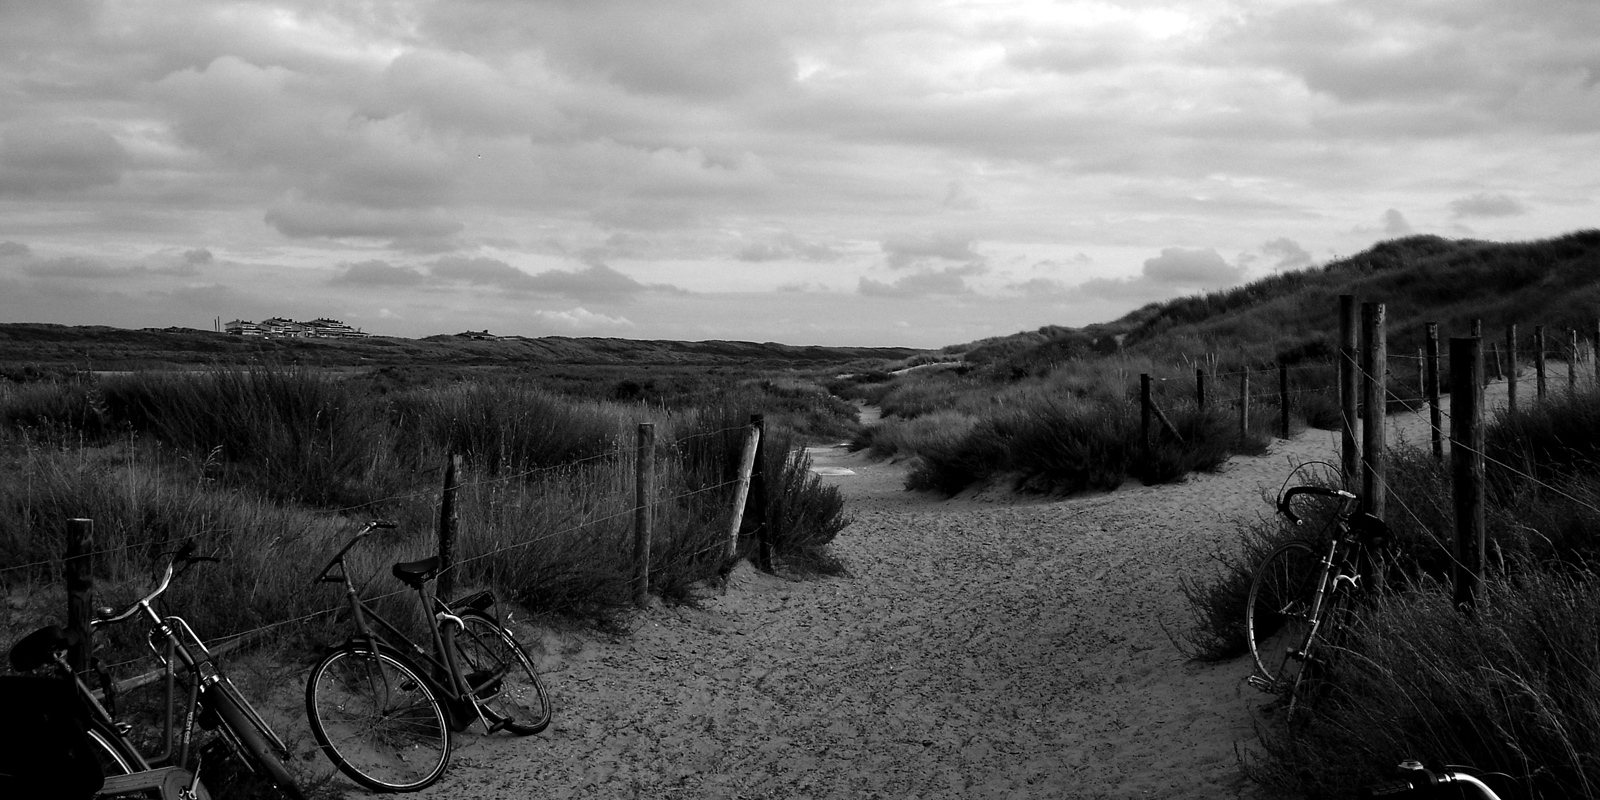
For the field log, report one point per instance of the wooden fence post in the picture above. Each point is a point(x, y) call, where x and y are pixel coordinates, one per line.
point(79, 577)
point(1466, 458)
point(1594, 353)
point(1538, 361)
point(449, 520)
point(1200, 390)
point(1244, 403)
point(747, 461)
point(758, 493)
point(1283, 397)
point(644, 470)
point(1375, 369)
point(1431, 390)
point(1498, 372)
point(1572, 360)
point(1511, 367)
point(1144, 416)
point(1349, 404)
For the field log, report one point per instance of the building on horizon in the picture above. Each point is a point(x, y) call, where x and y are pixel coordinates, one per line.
point(283, 328)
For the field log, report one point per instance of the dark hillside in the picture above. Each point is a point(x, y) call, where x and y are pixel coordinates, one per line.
point(1293, 316)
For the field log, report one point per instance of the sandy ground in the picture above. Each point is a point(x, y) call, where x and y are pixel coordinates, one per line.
point(985, 646)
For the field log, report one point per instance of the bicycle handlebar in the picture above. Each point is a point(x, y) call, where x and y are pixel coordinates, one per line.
point(185, 556)
point(1416, 781)
point(371, 526)
point(1288, 497)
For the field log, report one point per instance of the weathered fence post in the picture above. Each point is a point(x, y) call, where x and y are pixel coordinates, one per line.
point(1349, 404)
point(1244, 403)
point(758, 493)
point(1375, 366)
point(644, 493)
point(1538, 361)
point(1466, 459)
point(1200, 390)
point(1144, 416)
point(1283, 397)
point(1498, 372)
point(1594, 353)
point(1572, 360)
point(1431, 390)
point(79, 577)
point(747, 461)
point(449, 520)
point(1511, 367)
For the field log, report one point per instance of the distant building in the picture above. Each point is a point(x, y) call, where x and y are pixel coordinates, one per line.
point(279, 327)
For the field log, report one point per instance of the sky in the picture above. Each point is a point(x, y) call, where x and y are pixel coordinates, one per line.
point(842, 172)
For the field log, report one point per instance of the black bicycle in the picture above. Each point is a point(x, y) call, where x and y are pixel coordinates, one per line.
point(1413, 780)
point(1300, 599)
point(382, 707)
point(213, 702)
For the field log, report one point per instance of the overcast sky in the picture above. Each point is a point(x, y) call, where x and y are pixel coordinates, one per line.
point(868, 172)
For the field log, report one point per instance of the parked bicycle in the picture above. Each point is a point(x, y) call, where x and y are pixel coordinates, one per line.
point(213, 702)
point(1299, 599)
point(382, 706)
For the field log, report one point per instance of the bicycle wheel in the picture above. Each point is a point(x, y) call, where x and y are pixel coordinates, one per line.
point(255, 746)
point(109, 751)
point(1277, 616)
point(503, 678)
point(1323, 646)
point(377, 720)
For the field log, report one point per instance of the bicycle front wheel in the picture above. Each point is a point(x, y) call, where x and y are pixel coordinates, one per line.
point(502, 677)
point(1277, 616)
point(253, 742)
point(377, 720)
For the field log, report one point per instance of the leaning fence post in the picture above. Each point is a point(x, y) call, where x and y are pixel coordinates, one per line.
point(1466, 458)
point(1375, 366)
point(644, 486)
point(1349, 405)
point(758, 493)
point(79, 577)
point(747, 460)
point(1200, 390)
point(1431, 390)
point(449, 520)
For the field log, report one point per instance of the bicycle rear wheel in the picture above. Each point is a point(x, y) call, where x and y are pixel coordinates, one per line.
point(1277, 616)
point(254, 743)
point(503, 678)
point(112, 754)
point(377, 720)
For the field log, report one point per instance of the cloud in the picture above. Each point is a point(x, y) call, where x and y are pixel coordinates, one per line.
point(9, 249)
point(56, 157)
point(948, 281)
point(306, 220)
point(377, 273)
point(1487, 205)
point(595, 283)
point(198, 256)
point(909, 250)
point(1287, 254)
point(582, 319)
point(783, 247)
point(1191, 268)
point(77, 267)
point(1394, 224)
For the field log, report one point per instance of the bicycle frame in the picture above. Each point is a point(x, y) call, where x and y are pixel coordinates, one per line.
point(443, 672)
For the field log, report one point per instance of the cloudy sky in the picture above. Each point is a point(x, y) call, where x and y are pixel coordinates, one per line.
point(871, 172)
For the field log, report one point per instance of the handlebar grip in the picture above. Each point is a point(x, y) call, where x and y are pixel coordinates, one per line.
point(1284, 503)
point(383, 523)
point(1392, 788)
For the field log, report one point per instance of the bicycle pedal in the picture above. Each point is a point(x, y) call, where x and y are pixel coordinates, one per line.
point(1264, 684)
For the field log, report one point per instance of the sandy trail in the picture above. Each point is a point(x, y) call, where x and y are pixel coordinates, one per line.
point(983, 646)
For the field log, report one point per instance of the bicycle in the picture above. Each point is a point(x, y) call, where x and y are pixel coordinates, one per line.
point(213, 701)
point(1299, 600)
point(1413, 780)
point(382, 707)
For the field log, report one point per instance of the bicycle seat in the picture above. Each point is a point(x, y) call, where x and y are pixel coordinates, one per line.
point(416, 573)
point(1371, 530)
point(34, 650)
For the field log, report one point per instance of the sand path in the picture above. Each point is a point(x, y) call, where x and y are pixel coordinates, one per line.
point(983, 646)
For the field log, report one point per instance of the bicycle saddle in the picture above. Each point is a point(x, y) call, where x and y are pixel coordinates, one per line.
point(34, 650)
point(416, 573)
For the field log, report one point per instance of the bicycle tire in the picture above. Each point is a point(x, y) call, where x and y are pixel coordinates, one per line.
point(399, 708)
point(1324, 646)
point(1277, 615)
point(255, 747)
point(112, 753)
point(492, 659)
